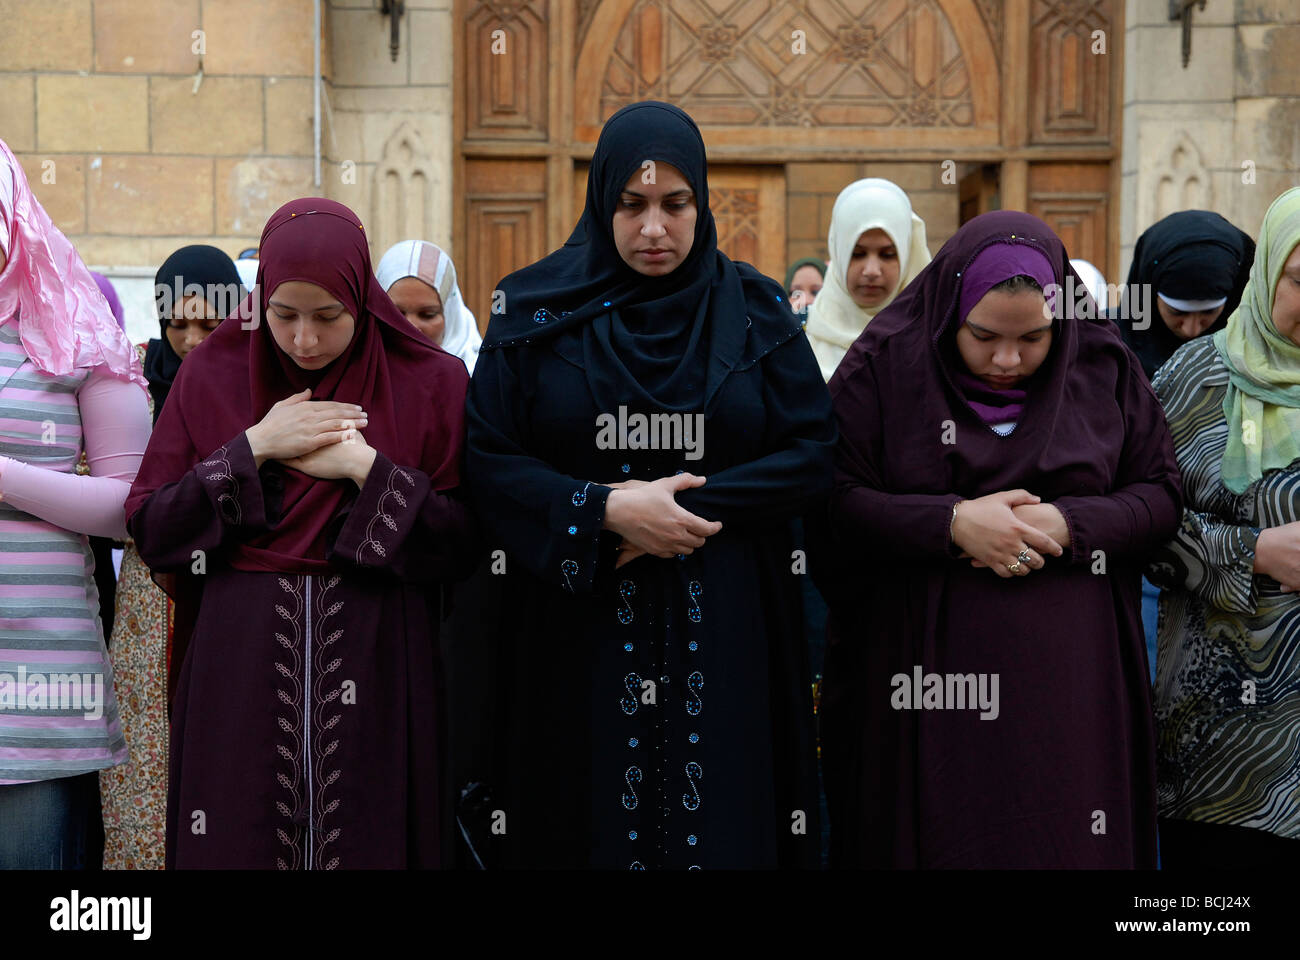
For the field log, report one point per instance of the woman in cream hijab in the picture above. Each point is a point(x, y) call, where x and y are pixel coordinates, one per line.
point(877, 246)
point(421, 280)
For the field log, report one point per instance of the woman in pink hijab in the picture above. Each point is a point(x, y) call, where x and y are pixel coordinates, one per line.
point(68, 379)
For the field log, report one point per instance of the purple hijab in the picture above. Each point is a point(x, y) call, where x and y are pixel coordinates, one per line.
point(106, 288)
point(992, 266)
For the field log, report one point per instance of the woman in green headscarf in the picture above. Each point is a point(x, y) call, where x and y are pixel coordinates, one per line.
point(1227, 690)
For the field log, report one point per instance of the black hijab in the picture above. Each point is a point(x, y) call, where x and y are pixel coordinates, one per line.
point(1189, 255)
point(663, 341)
point(197, 264)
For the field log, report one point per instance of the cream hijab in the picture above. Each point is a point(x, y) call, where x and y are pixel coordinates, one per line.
point(430, 263)
point(834, 320)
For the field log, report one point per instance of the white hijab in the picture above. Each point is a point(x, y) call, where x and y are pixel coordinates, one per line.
point(1091, 276)
point(834, 320)
point(430, 263)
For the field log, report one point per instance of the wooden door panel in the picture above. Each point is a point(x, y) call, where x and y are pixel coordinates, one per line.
point(1074, 200)
point(505, 222)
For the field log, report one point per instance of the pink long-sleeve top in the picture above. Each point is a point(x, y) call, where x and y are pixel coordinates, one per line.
point(58, 716)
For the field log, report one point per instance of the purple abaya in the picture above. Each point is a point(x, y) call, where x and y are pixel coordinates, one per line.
point(1059, 772)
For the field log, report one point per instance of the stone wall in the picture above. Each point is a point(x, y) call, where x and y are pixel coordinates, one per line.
point(140, 135)
point(1222, 134)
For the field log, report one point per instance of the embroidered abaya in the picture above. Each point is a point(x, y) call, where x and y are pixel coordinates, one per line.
point(657, 715)
point(305, 725)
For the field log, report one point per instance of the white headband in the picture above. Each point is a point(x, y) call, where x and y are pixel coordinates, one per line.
point(1193, 306)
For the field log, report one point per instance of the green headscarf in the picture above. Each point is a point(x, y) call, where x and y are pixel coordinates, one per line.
point(1262, 404)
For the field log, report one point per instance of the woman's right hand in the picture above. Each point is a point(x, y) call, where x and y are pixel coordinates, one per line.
point(647, 517)
point(1277, 555)
point(298, 425)
point(987, 530)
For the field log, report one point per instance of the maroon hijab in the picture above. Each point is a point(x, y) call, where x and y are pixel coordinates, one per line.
point(412, 391)
point(905, 365)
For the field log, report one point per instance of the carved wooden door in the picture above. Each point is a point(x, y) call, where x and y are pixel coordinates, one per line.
point(1027, 91)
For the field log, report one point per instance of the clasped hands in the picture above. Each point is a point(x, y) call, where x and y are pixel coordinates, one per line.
point(321, 438)
point(650, 521)
point(1010, 532)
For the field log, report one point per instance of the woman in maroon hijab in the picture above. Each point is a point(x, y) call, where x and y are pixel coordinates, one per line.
point(1000, 478)
point(302, 470)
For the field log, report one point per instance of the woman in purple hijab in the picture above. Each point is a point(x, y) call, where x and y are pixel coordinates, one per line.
point(1001, 477)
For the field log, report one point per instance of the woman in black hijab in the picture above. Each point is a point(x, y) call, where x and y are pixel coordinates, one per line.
point(185, 317)
point(1196, 264)
point(644, 418)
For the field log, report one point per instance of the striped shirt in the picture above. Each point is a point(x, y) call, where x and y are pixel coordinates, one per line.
point(1227, 698)
point(58, 714)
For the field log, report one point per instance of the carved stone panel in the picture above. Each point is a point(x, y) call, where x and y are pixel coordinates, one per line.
point(403, 190)
point(1182, 180)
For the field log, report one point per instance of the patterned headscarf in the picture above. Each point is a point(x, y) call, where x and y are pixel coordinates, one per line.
point(430, 263)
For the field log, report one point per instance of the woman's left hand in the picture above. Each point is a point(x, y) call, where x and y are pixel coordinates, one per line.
point(1043, 516)
point(350, 459)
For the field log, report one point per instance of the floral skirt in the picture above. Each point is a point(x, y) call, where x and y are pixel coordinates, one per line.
point(134, 794)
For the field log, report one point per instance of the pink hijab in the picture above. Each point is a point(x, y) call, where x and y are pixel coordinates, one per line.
point(64, 321)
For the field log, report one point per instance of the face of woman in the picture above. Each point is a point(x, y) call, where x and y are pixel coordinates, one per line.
point(1005, 337)
point(804, 287)
point(309, 324)
point(421, 305)
point(1286, 299)
point(654, 224)
point(1187, 326)
point(873, 269)
point(193, 318)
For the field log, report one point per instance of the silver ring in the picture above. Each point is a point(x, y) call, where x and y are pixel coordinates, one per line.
point(1023, 556)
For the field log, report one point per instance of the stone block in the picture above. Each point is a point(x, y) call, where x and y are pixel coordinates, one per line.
point(290, 109)
point(59, 182)
point(223, 117)
point(18, 111)
point(260, 38)
point(431, 32)
point(45, 35)
point(92, 113)
point(248, 191)
point(150, 195)
point(1159, 74)
point(146, 36)
point(1267, 64)
point(359, 49)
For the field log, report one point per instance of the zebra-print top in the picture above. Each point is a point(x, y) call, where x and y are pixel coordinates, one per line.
point(1228, 667)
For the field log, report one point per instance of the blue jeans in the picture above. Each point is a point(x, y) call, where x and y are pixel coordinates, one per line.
point(1150, 610)
point(45, 825)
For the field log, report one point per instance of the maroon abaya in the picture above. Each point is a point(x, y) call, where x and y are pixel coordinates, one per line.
point(305, 723)
point(1060, 772)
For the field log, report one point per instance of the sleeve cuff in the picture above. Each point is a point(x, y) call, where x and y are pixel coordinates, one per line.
point(232, 481)
point(577, 517)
